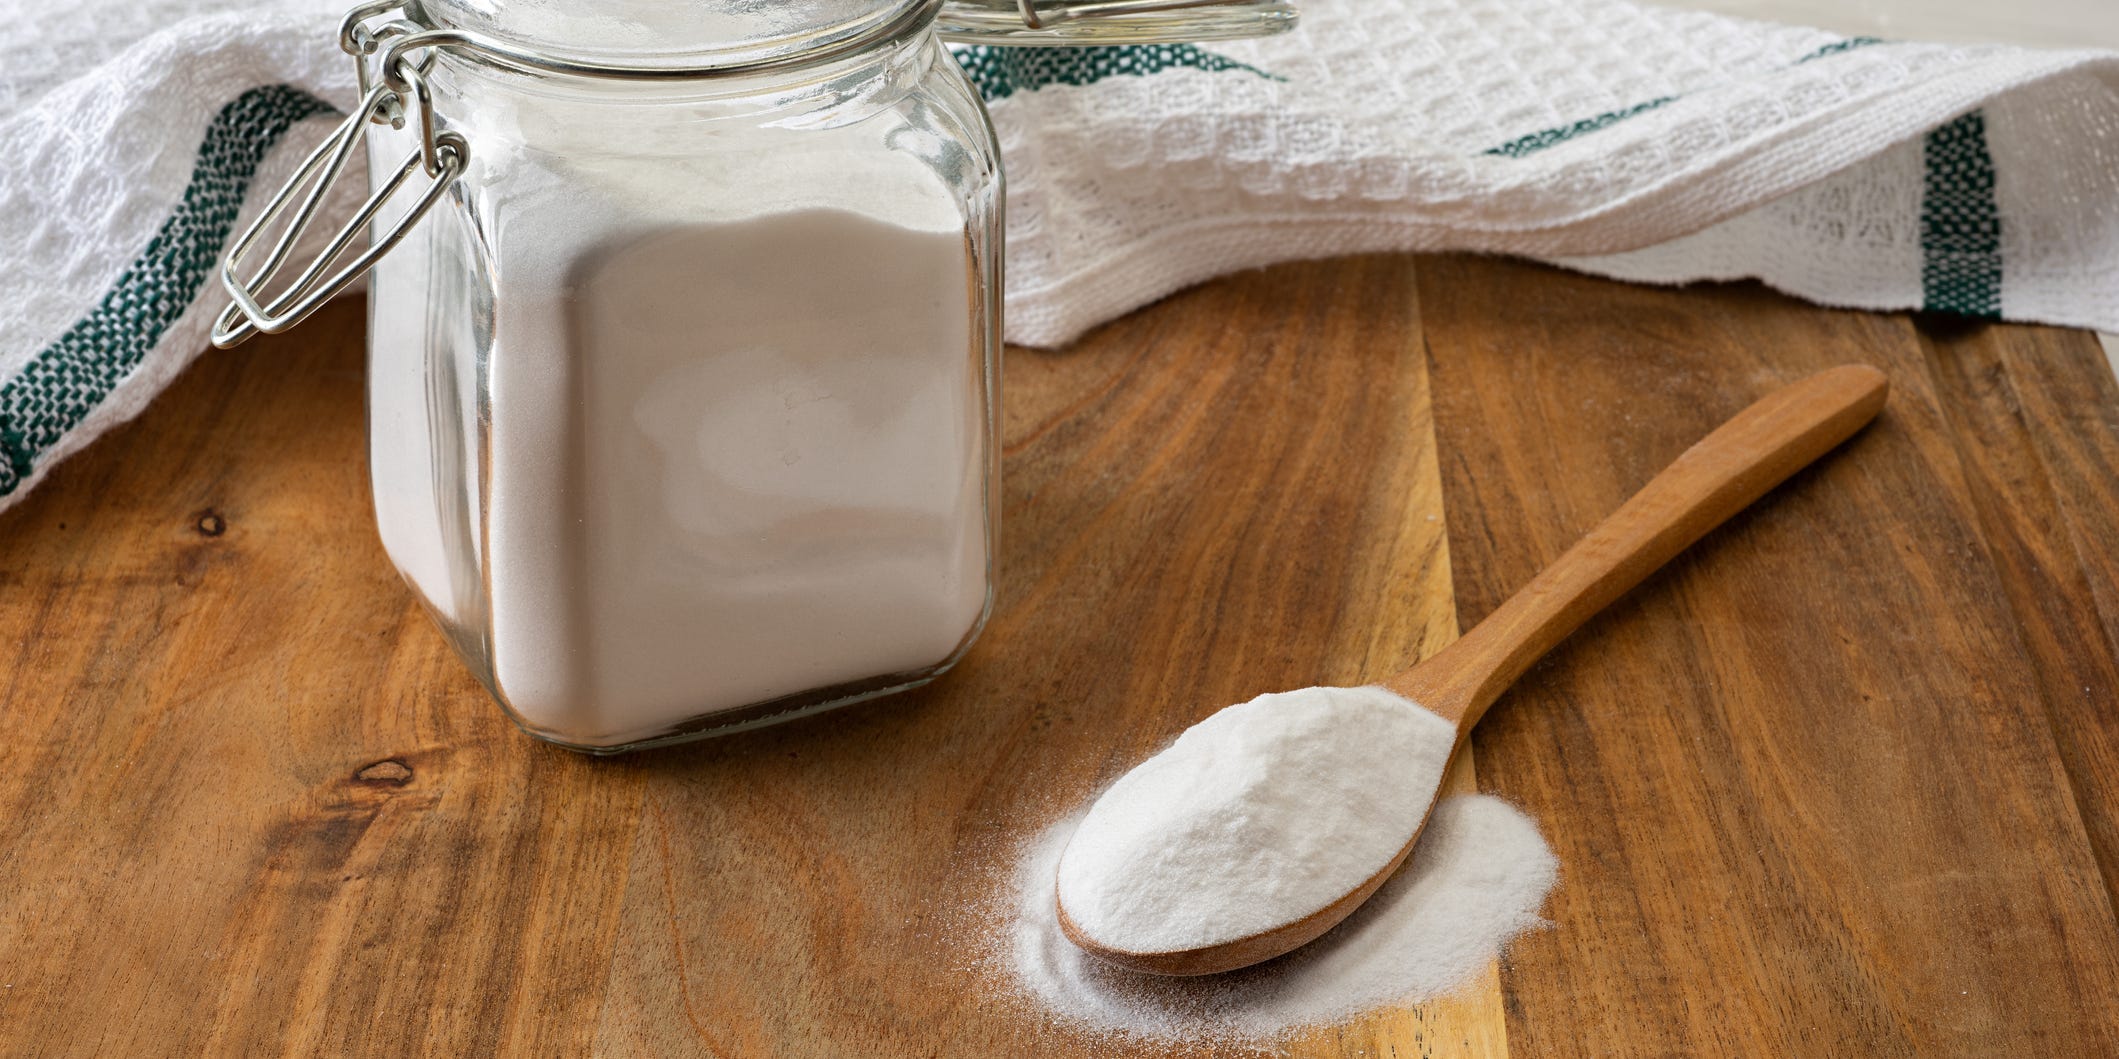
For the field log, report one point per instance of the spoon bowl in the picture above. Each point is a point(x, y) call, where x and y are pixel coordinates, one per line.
point(1725, 472)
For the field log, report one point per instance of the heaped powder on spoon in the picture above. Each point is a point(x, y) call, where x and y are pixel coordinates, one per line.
point(1270, 771)
point(1256, 817)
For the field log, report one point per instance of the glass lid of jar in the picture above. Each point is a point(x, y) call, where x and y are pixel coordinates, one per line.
point(1111, 21)
point(678, 33)
point(665, 32)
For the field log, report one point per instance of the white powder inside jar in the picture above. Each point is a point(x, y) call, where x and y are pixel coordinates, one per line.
point(1262, 814)
point(772, 475)
point(734, 449)
point(1256, 817)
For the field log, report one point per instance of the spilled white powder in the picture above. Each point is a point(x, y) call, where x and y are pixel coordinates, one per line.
point(1258, 816)
point(1477, 879)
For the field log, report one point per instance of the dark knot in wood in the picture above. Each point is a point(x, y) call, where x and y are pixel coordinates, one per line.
point(389, 772)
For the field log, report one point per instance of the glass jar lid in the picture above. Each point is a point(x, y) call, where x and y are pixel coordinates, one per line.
point(672, 33)
point(714, 33)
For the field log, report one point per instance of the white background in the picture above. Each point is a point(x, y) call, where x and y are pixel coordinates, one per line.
point(2049, 23)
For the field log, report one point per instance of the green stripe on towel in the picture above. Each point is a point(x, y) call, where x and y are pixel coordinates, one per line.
point(1538, 141)
point(1839, 47)
point(1002, 72)
point(68, 379)
point(1960, 222)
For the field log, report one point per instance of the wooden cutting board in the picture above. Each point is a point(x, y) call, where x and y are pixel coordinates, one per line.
point(1842, 781)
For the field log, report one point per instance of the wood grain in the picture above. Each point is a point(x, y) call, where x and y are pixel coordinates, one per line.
point(1821, 788)
point(2037, 428)
point(249, 804)
point(1804, 782)
point(1741, 460)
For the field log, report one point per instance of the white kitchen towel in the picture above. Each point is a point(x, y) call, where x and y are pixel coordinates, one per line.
point(1627, 140)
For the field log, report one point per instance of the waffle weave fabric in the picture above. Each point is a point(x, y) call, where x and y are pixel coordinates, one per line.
point(1632, 141)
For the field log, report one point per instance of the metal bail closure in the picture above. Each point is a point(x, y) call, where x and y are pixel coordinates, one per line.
point(440, 157)
point(1083, 22)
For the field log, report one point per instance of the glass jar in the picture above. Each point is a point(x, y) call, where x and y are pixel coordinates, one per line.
point(683, 339)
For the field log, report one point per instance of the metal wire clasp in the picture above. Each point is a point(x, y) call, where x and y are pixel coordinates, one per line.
point(1035, 19)
point(402, 94)
point(1044, 22)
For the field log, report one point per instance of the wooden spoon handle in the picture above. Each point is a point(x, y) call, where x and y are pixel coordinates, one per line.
point(1726, 471)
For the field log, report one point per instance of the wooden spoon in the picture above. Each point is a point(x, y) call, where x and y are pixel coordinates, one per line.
point(1725, 472)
